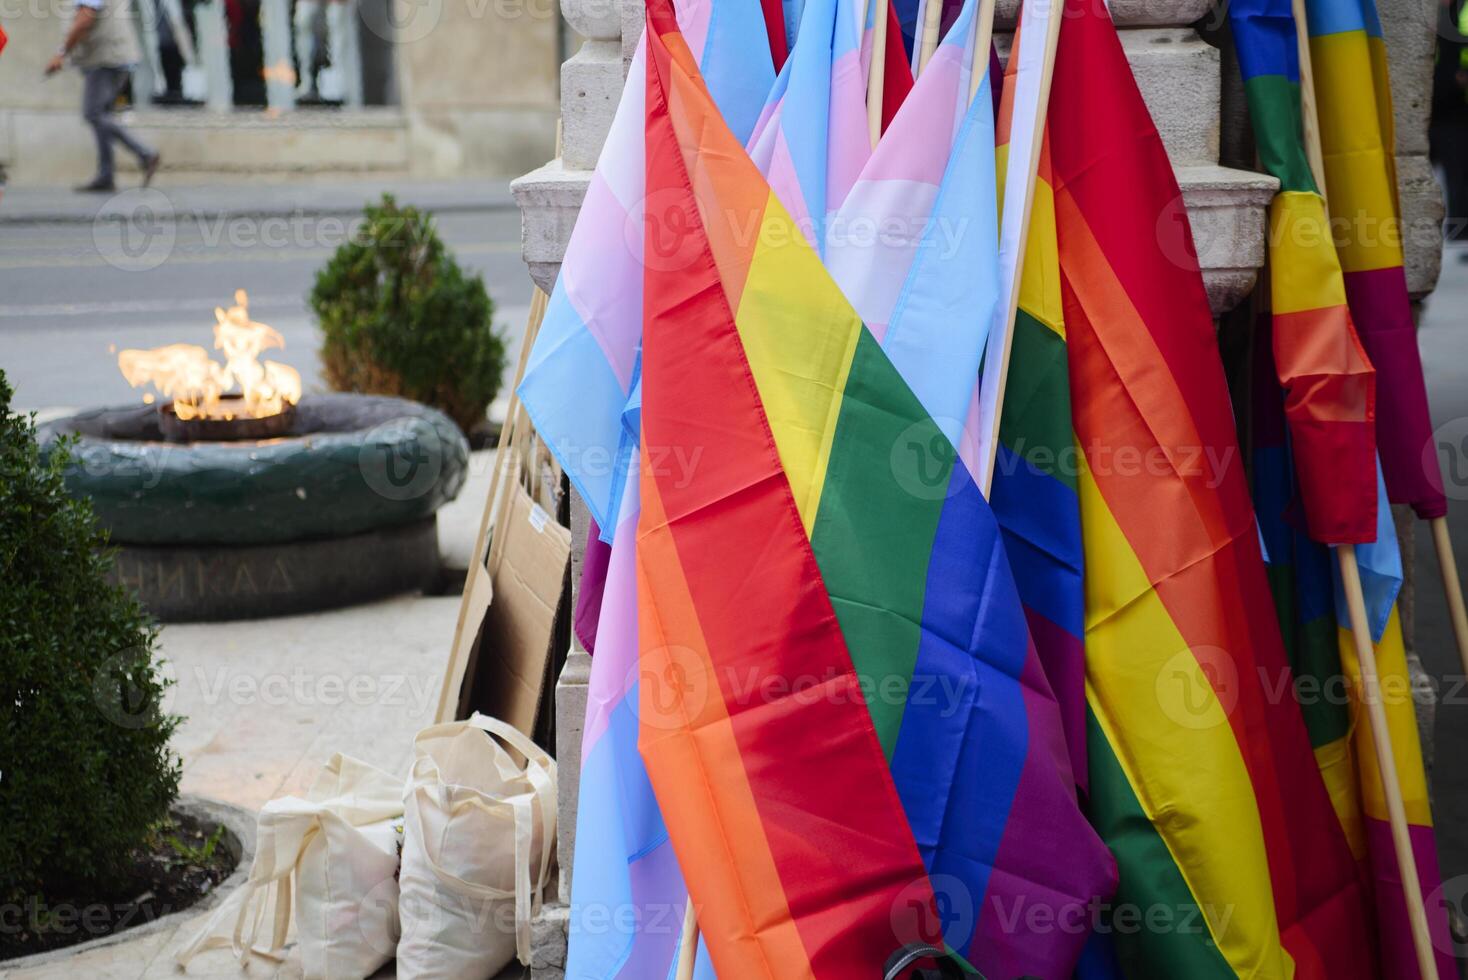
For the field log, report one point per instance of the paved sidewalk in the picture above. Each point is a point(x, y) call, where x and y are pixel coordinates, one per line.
point(59, 205)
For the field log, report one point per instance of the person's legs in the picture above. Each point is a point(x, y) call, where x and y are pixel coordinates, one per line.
point(99, 89)
point(98, 96)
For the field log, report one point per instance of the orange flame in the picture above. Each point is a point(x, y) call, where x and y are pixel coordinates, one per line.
point(186, 374)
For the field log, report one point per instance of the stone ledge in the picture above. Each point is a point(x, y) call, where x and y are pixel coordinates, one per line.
point(549, 200)
point(1125, 13)
point(1226, 210)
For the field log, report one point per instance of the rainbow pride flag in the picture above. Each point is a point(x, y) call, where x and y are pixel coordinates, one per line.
point(1202, 780)
point(1034, 489)
point(1329, 383)
point(1354, 103)
point(1322, 653)
point(846, 726)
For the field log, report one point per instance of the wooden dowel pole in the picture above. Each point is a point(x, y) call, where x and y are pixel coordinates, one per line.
point(688, 944)
point(1447, 566)
point(1386, 761)
point(1001, 377)
point(982, 43)
point(928, 39)
point(877, 76)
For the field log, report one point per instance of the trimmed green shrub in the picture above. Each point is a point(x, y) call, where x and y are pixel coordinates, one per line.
point(401, 318)
point(85, 768)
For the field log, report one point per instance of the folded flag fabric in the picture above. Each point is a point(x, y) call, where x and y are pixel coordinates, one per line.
point(774, 15)
point(925, 206)
point(1354, 102)
point(1203, 784)
point(811, 139)
point(1322, 654)
point(591, 588)
point(593, 324)
point(1330, 384)
point(843, 719)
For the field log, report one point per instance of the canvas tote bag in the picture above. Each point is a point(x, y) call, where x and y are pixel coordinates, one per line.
point(479, 831)
point(340, 845)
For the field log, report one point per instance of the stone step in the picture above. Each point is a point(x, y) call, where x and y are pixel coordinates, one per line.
point(199, 142)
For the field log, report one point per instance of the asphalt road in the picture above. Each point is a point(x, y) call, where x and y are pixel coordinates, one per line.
point(69, 293)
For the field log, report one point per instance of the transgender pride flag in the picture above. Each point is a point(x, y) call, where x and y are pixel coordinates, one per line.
point(925, 205)
point(592, 330)
point(811, 140)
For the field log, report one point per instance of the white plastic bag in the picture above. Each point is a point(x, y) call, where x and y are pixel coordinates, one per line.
point(340, 843)
point(479, 830)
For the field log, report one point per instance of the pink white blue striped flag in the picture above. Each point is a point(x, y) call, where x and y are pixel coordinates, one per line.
point(924, 205)
point(811, 139)
point(592, 331)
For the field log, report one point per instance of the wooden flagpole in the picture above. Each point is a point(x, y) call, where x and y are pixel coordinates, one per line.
point(1381, 738)
point(877, 75)
point(1047, 74)
point(982, 43)
point(928, 39)
point(1447, 566)
point(688, 944)
point(1386, 761)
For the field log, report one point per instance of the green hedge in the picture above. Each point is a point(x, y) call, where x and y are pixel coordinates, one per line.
point(85, 768)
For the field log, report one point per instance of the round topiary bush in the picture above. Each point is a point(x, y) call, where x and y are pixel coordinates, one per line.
point(85, 768)
point(401, 318)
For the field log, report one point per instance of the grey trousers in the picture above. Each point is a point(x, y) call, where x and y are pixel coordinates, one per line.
point(98, 96)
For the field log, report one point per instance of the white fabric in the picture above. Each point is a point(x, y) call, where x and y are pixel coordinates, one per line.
point(340, 843)
point(479, 829)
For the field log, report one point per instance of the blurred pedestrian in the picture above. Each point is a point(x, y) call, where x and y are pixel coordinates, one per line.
point(100, 41)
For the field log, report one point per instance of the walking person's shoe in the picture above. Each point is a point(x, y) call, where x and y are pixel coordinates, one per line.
point(150, 167)
point(97, 186)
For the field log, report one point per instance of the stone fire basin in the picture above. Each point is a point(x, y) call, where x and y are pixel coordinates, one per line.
point(340, 510)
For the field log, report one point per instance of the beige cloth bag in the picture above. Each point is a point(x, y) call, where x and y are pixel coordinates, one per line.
point(340, 845)
point(479, 830)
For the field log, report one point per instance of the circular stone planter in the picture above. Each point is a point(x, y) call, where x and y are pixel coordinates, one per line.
point(238, 839)
point(341, 509)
